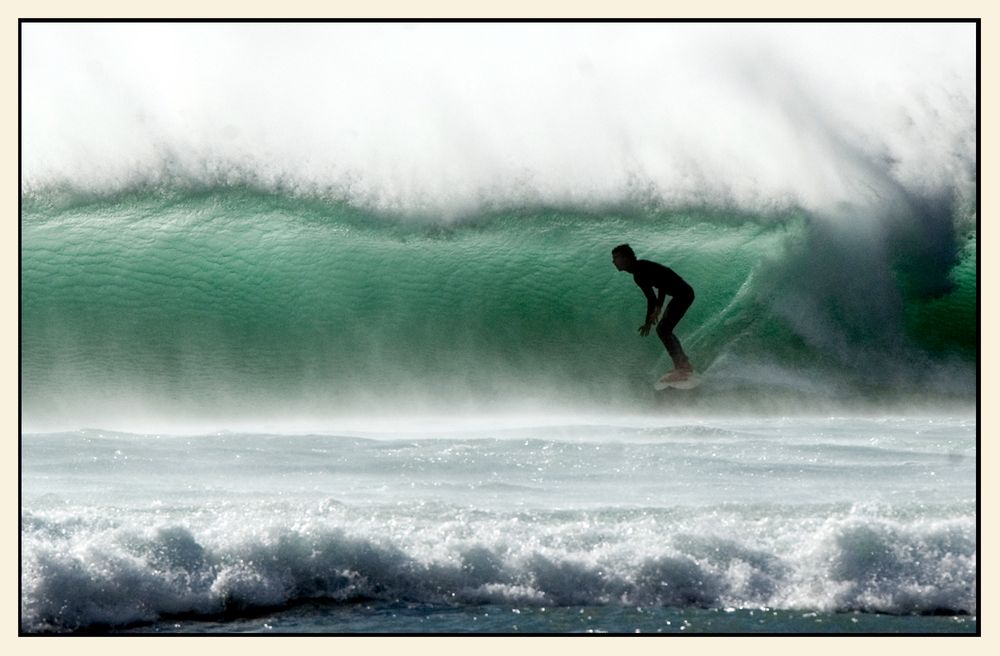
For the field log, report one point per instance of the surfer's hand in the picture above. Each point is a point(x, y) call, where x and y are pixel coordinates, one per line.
point(644, 328)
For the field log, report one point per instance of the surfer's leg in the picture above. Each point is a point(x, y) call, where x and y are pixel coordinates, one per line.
point(665, 331)
point(676, 352)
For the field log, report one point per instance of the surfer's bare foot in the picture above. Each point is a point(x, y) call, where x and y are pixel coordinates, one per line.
point(677, 375)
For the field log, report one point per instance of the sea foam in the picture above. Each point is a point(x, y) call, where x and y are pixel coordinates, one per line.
point(78, 578)
point(454, 117)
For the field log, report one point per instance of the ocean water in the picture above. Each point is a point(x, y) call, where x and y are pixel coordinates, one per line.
point(838, 524)
point(232, 308)
point(330, 341)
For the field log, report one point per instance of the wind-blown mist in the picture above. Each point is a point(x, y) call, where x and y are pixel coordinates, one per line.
point(241, 220)
point(408, 116)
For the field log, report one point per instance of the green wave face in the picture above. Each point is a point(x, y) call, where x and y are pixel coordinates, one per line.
point(241, 304)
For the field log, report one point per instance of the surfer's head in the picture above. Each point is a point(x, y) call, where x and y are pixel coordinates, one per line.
point(623, 257)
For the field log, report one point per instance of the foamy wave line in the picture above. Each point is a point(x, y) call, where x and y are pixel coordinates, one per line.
point(117, 577)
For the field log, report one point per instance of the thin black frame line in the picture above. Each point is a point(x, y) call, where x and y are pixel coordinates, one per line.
point(405, 19)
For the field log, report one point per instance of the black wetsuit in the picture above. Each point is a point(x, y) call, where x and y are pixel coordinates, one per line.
point(667, 283)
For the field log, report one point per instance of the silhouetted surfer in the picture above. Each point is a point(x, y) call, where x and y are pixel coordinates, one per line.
point(649, 275)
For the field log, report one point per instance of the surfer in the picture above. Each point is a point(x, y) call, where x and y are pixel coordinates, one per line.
point(648, 275)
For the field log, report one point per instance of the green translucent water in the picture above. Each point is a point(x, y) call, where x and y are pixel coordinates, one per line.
point(238, 299)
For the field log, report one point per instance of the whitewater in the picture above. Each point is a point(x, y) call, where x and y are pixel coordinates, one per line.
point(320, 331)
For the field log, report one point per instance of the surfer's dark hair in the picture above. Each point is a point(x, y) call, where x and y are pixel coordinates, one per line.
point(624, 249)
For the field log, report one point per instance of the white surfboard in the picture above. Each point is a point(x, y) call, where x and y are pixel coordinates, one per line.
point(690, 382)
